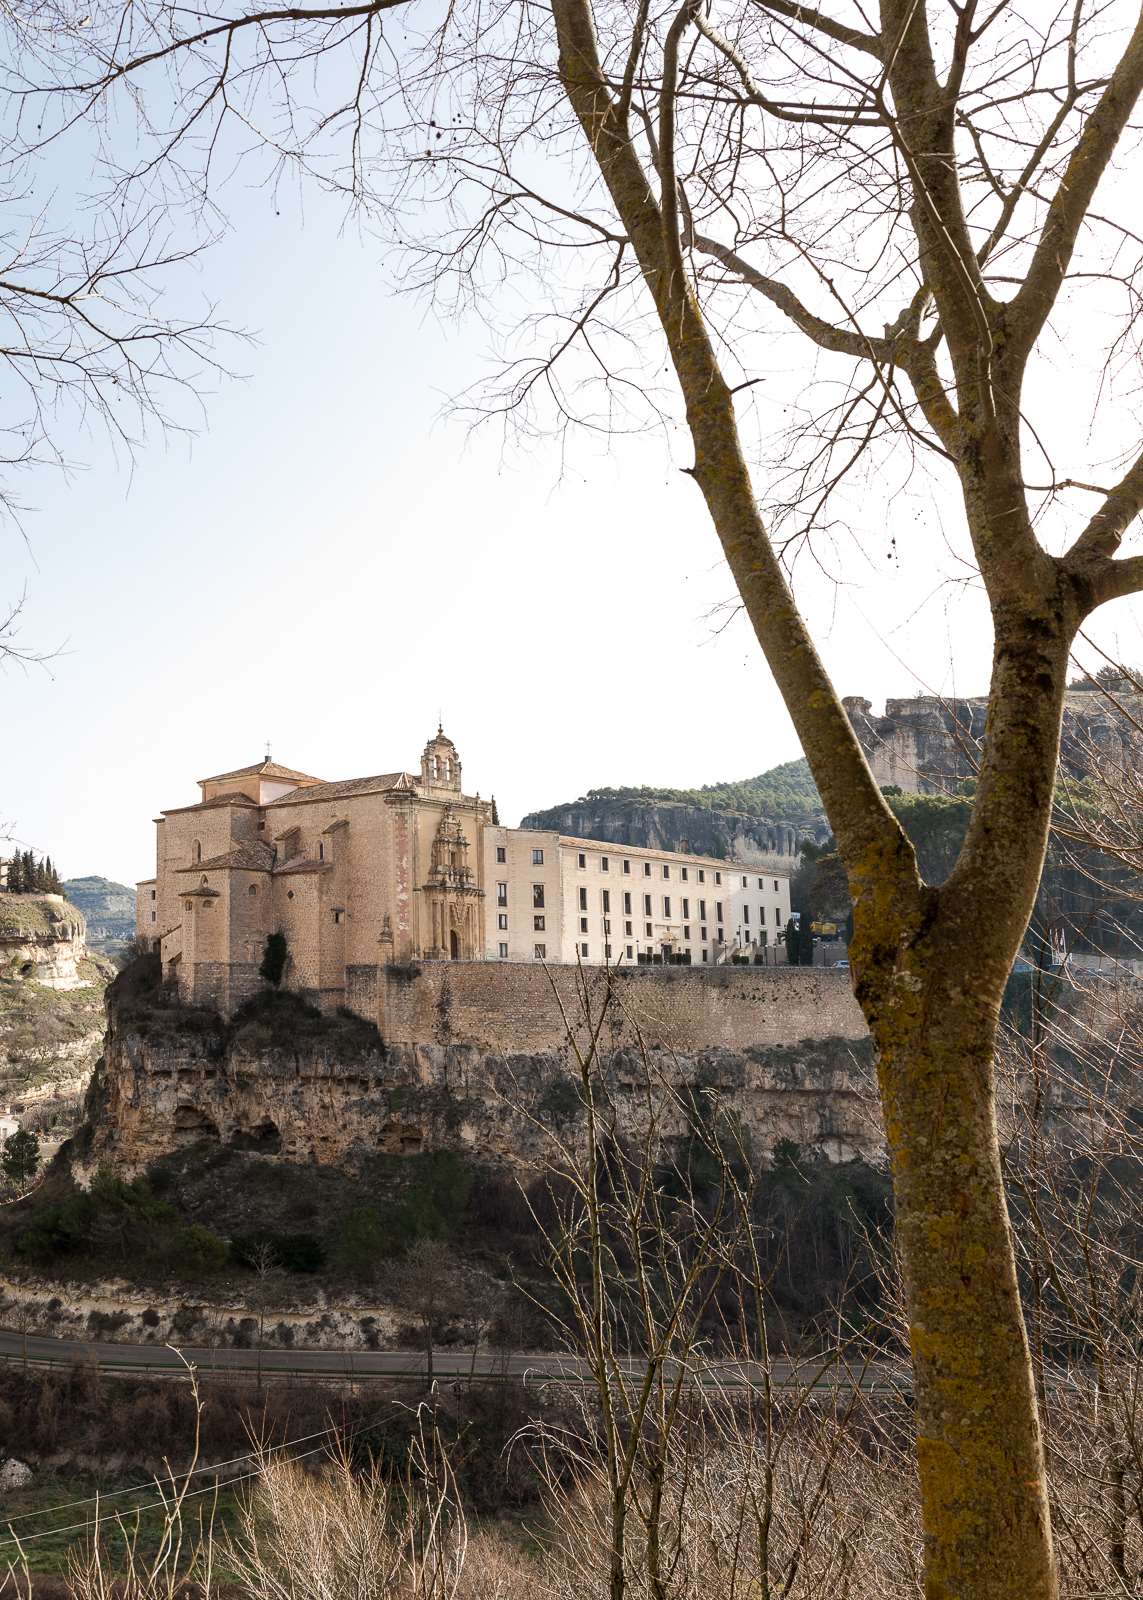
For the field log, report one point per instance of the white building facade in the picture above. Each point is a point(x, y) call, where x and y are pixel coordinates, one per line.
point(560, 899)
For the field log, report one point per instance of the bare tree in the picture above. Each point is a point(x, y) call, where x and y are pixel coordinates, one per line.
point(911, 190)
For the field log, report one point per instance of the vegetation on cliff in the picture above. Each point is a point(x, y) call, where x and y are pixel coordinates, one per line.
point(782, 794)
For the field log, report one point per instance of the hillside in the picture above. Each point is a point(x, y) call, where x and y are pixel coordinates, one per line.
point(109, 908)
point(765, 815)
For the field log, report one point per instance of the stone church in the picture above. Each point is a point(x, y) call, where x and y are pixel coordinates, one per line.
point(267, 849)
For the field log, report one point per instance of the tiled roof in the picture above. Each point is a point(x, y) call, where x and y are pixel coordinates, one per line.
point(252, 857)
point(684, 857)
point(261, 769)
point(347, 786)
point(303, 864)
point(232, 799)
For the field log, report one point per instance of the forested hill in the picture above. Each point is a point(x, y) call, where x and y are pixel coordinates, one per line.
point(745, 820)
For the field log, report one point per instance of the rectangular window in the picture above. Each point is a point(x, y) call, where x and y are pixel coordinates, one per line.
point(718, 877)
point(537, 897)
point(705, 956)
point(627, 903)
point(702, 933)
point(583, 924)
point(630, 951)
point(627, 929)
point(152, 894)
point(647, 929)
point(154, 914)
point(607, 952)
point(583, 951)
point(760, 883)
point(627, 866)
point(501, 894)
point(777, 917)
point(718, 912)
point(666, 870)
point(686, 909)
point(607, 924)
point(537, 924)
point(667, 905)
point(502, 921)
point(605, 863)
point(744, 883)
point(537, 858)
point(702, 910)
point(583, 899)
point(540, 952)
point(686, 934)
point(646, 869)
point(775, 886)
point(581, 859)
point(501, 854)
point(607, 899)
point(746, 915)
point(503, 952)
point(683, 873)
point(702, 876)
point(646, 905)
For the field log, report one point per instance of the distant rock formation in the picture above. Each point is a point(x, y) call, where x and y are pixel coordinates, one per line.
point(108, 907)
point(930, 745)
point(673, 825)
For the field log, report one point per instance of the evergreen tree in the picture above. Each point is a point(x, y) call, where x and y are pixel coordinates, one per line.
point(274, 959)
point(14, 874)
point(805, 941)
point(495, 813)
point(21, 1156)
point(792, 945)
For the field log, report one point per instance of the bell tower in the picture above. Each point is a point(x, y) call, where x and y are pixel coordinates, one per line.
point(440, 764)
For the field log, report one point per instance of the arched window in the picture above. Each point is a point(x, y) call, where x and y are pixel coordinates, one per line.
point(198, 850)
point(253, 890)
point(202, 880)
point(321, 850)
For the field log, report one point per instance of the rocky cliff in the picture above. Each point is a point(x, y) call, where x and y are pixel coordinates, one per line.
point(42, 938)
point(675, 825)
point(929, 745)
point(281, 1081)
point(51, 1010)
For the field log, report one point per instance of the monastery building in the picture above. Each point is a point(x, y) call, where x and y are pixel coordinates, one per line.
point(401, 867)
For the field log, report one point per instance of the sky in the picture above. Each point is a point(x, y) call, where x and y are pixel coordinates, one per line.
point(333, 562)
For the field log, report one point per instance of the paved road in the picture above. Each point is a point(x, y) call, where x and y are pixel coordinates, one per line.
point(350, 1364)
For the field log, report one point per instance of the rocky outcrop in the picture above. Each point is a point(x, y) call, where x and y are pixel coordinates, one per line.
point(930, 745)
point(51, 1013)
point(42, 939)
point(172, 1076)
point(673, 825)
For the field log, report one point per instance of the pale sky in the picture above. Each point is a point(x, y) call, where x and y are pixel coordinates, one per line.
point(331, 563)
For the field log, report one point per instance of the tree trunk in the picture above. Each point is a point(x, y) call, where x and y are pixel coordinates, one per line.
point(979, 1450)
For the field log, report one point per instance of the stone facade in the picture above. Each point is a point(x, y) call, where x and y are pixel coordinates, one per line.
point(367, 873)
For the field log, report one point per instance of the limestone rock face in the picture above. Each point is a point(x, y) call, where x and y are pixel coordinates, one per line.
point(928, 745)
point(326, 1101)
point(43, 939)
point(673, 825)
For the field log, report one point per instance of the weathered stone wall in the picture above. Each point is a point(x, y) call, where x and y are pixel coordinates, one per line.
point(520, 1007)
